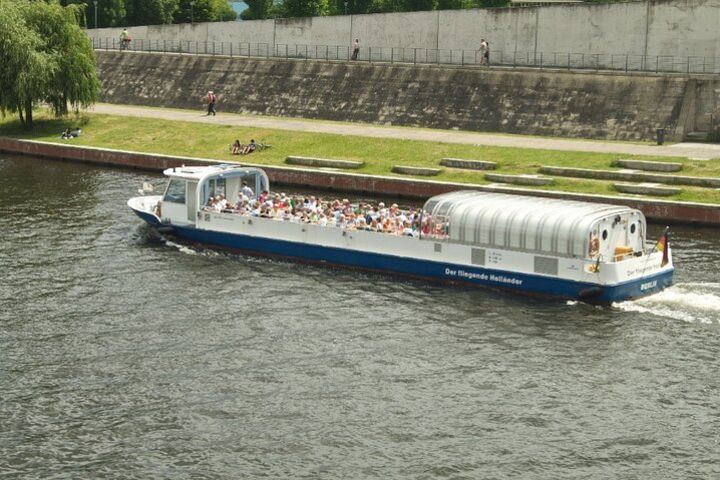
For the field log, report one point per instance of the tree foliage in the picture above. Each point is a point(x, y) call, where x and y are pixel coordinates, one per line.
point(304, 8)
point(46, 58)
point(115, 13)
point(258, 10)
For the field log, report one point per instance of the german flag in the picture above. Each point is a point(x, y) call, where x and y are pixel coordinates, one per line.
point(663, 246)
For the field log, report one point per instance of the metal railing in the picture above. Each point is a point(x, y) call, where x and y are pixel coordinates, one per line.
point(408, 55)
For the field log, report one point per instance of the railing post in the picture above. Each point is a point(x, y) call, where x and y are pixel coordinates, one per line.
point(568, 62)
point(541, 60)
point(369, 54)
point(688, 64)
point(657, 63)
point(414, 56)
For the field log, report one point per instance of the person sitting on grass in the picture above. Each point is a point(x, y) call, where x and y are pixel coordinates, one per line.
point(68, 134)
point(236, 148)
point(250, 147)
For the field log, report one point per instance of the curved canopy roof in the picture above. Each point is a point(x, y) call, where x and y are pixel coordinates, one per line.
point(224, 170)
point(559, 227)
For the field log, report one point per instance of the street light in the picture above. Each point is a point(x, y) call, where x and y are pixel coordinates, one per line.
point(95, 2)
point(192, 17)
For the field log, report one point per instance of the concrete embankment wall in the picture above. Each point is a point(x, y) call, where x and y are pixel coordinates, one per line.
point(671, 28)
point(528, 102)
point(656, 210)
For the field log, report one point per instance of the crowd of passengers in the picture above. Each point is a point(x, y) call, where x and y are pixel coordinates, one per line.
point(318, 211)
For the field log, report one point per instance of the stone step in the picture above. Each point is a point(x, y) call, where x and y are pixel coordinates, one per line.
point(422, 171)
point(631, 176)
point(696, 136)
point(323, 162)
point(646, 189)
point(535, 180)
point(648, 166)
point(468, 164)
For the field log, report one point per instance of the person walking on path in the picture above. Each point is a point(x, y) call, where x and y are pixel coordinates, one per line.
point(355, 49)
point(484, 52)
point(211, 99)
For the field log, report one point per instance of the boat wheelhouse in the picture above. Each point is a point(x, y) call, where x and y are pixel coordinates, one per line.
point(566, 249)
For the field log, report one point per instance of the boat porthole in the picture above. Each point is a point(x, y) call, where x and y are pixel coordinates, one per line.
point(632, 228)
point(604, 234)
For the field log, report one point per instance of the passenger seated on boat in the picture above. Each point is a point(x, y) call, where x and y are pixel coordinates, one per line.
point(220, 203)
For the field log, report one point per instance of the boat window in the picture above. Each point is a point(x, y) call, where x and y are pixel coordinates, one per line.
point(175, 192)
point(216, 187)
point(632, 228)
point(604, 234)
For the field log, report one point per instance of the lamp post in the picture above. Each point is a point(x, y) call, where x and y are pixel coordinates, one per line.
point(192, 17)
point(95, 3)
point(345, 7)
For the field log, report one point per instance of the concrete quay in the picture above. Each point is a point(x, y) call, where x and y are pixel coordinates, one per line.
point(659, 211)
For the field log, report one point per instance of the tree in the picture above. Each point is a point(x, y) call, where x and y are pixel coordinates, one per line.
point(353, 6)
point(204, 11)
point(304, 8)
point(419, 5)
point(454, 4)
point(110, 13)
point(150, 12)
point(493, 3)
point(46, 58)
point(258, 10)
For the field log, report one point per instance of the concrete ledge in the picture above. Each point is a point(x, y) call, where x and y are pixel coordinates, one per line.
point(323, 162)
point(648, 166)
point(468, 164)
point(534, 180)
point(706, 182)
point(663, 211)
point(646, 189)
point(423, 172)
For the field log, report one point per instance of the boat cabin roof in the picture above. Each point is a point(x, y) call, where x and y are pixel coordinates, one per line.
point(201, 173)
point(561, 227)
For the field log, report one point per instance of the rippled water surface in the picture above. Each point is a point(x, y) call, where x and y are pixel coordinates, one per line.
point(126, 355)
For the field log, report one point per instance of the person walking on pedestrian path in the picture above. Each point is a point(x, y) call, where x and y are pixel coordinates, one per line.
point(211, 99)
point(484, 52)
point(355, 49)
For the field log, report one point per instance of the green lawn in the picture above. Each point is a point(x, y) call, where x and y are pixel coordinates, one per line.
point(379, 155)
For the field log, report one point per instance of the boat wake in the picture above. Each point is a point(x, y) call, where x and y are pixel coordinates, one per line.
point(689, 302)
point(180, 247)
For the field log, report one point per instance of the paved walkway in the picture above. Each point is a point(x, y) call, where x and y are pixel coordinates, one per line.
point(690, 150)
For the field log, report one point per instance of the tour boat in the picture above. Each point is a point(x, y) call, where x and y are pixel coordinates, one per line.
point(572, 250)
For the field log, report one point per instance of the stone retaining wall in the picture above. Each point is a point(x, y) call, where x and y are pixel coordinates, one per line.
point(656, 210)
point(568, 104)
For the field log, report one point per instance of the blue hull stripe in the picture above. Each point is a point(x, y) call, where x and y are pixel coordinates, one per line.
point(446, 272)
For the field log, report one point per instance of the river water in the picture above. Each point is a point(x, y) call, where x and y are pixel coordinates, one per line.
point(126, 355)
